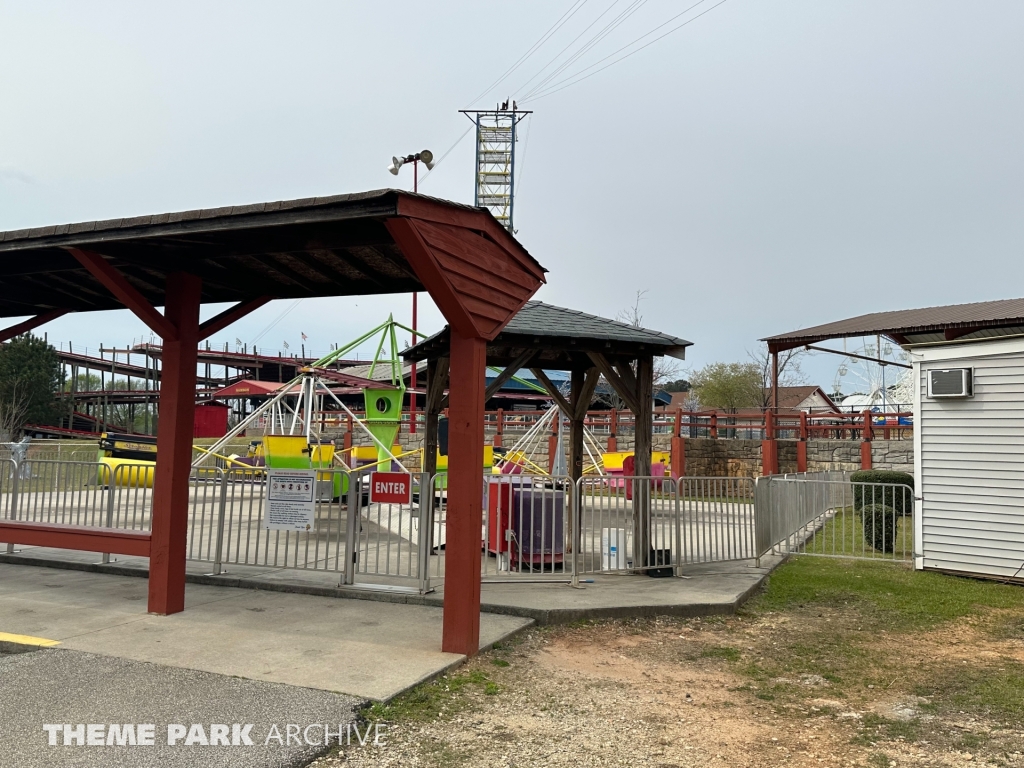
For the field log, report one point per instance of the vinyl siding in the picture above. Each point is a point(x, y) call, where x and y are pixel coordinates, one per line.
point(972, 468)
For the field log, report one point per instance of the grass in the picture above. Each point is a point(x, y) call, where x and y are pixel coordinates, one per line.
point(443, 697)
point(891, 597)
point(856, 623)
point(843, 534)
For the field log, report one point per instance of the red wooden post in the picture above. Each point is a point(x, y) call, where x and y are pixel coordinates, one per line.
point(714, 425)
point(865, 443)
point(678, 452)
point(174, 447)
point(613, 429)
point(500, 429)
point(769, 447)
point(801, 446)
point(461, 622)
point(553, 441)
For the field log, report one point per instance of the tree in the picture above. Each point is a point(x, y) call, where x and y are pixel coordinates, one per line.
point(679, 385)
point(664, 368)
point(790, 374)
point(30, 378)
point(728, 386)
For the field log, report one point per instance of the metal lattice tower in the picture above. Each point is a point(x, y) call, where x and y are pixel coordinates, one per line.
point(496, 161)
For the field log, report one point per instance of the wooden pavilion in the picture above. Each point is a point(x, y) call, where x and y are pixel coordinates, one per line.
point(385, 241)
point(543, 337)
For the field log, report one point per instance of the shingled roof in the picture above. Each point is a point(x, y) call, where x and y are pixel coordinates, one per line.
point(563, 330)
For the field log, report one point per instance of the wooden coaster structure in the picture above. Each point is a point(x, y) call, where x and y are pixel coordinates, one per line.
point(297, 409)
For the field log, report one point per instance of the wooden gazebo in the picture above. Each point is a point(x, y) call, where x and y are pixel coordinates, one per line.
point(345, 245)
point(543, 337)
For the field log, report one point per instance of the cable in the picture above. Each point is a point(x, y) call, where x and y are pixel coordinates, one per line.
point(522, 165)
point(275, 322)
point(533, 49)
point(448, 152)
point(585, 48)
point(567, 47)
point(559, 85)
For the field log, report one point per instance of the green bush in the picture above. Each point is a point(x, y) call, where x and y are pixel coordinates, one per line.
point(879, 526)
point(899, 499)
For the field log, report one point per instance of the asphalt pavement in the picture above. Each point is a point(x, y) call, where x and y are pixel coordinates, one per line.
point(50, 696)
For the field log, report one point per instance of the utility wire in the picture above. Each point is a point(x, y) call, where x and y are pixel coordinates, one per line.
point(522, 164)
point(534, 48)
point(280, 317)
point(585, 48)
point(567, 47)
point(448, 152)
point(574, 78)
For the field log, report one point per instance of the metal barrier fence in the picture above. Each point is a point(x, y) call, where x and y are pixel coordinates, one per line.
point(829, 517)
point(533, 527)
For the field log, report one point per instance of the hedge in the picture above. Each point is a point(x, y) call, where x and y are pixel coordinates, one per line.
point(879, 526)
point(899, 499)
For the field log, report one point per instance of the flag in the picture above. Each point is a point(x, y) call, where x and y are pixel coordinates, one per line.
point(304, 337)
point(286, 345)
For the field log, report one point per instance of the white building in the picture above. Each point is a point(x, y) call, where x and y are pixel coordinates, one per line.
point(968, 363)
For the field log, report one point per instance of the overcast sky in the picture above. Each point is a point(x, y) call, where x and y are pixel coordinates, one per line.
point(770, 166)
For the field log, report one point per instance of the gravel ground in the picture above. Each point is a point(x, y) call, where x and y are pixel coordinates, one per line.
point(62, 686)
point(658, 694)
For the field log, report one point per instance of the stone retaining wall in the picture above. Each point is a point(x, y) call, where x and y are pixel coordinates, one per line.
point(732, 457)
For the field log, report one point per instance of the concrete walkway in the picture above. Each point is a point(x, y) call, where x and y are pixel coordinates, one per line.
point(712, 588)
point(371, 650)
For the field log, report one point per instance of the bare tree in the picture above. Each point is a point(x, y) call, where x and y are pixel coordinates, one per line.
point(665, 369)
point(790, 373)
point(14, 407)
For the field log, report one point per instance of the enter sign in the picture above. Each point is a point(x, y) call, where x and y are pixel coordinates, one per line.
point(390, 488)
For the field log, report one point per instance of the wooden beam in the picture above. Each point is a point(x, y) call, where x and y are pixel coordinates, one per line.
point(125, 292)
point(420, 259)
point(813, 348)
point(81, 537)
point(461, 617)
point(219, 322)
point(552, 390)
point(627, 395)
point(27, 325)
point(625, 370)
point(289, 273)
point(642, 447)
point(582, 404)
point(577, 385)
point(510, 370)
point(174, 447)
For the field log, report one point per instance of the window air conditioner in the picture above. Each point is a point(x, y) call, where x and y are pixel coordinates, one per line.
point(952, 382)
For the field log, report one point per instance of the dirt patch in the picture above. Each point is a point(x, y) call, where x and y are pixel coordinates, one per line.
point(819, 684)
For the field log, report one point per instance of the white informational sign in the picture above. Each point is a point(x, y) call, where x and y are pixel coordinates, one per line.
point(290, 500)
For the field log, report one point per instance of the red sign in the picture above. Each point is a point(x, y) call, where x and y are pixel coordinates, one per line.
point(391, 488)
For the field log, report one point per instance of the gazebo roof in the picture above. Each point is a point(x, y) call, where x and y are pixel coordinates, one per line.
point(385, 241)
point(561, 335)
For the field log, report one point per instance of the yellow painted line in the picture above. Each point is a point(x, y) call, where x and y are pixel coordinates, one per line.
point(42, 642)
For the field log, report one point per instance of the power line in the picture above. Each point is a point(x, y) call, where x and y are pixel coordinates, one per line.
point(448, 152)
point(533, 49)
point(586, 47)
point(569, 81)
point(567, 47)
point(275, 322)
